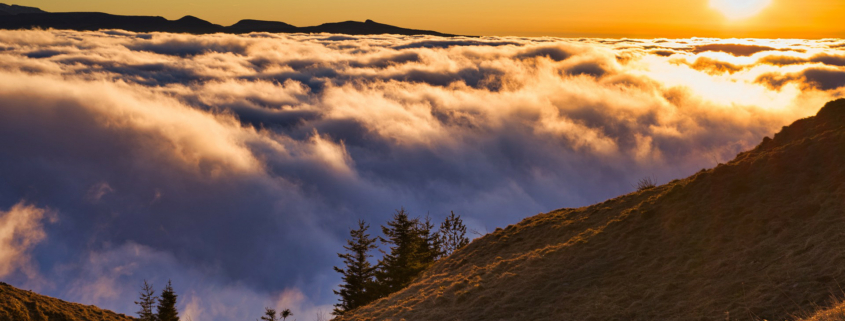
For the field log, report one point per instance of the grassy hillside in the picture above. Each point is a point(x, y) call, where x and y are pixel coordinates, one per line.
point(762, 237)
point(21, 305)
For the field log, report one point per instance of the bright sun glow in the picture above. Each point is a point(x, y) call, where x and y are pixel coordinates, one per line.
point(739, 9)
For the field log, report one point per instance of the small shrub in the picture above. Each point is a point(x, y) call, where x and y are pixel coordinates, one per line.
point(645, 183)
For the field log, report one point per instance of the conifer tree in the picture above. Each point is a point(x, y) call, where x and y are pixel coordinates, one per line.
point(285, 314)
point(431, 247)
point(402, 264)
point(269, 315)
point(453, 234)
point(147, 301)
point(167, 305)
point(357, 288)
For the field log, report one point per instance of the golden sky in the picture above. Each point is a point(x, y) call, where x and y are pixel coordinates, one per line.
point(609, 18)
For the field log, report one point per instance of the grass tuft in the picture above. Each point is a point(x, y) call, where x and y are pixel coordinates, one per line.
point(645, 183)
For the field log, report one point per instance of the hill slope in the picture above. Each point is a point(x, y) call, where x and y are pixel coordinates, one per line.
point(20, 305)
point(758, 238)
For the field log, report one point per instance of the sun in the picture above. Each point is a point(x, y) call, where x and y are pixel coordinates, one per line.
point(739, 9)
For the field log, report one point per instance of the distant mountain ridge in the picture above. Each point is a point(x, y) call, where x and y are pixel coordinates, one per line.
point(20, 17)
point(16, 9)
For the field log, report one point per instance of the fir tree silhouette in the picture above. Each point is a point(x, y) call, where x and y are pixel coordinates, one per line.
point(167, 304)
point(147, 302)
point(357, 288)
point(286, 313)
point(270, 315)
point(453, 234)
point(408, 254)
point(431, 245)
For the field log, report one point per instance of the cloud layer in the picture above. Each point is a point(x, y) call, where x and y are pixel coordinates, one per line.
point(235, 165)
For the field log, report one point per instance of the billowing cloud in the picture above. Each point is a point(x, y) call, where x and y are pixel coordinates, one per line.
point(235, 164)
point(779, 60)
point(811, 78)
point(714, 66)
point(21, 229)
point(663, 52)
point(828, 59)
point(733, 49)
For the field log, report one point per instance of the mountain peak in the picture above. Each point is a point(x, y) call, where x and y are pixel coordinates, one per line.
point(250, 25)
point(190, 18)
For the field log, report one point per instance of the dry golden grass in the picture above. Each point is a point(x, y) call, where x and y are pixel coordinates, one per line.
point(20, 305)
point(762, 237)
point(836, 313)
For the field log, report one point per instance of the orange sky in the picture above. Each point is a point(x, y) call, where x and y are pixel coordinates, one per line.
point(610, 18)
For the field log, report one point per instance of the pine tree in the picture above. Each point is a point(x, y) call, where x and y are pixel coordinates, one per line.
point(269, 315)
point(167, 304)
point(431, 247)
point(286, 313)
point(357, 288)
point(399, 267)
point(453, 234)
point(146, 302)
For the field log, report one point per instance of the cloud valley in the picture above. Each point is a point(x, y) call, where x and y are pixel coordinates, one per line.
point(235, 164)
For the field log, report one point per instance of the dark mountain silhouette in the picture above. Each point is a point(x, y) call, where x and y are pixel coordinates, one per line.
point(20, 305)
point(758, 238)
point(248, 25)
point(18, 17)
point(16, 9)
point(368, 27)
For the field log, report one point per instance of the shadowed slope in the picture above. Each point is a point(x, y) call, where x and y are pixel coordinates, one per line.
point(759, 237)
point(20, 305)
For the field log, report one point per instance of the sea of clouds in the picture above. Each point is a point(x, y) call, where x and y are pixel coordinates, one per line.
point(236, 164)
